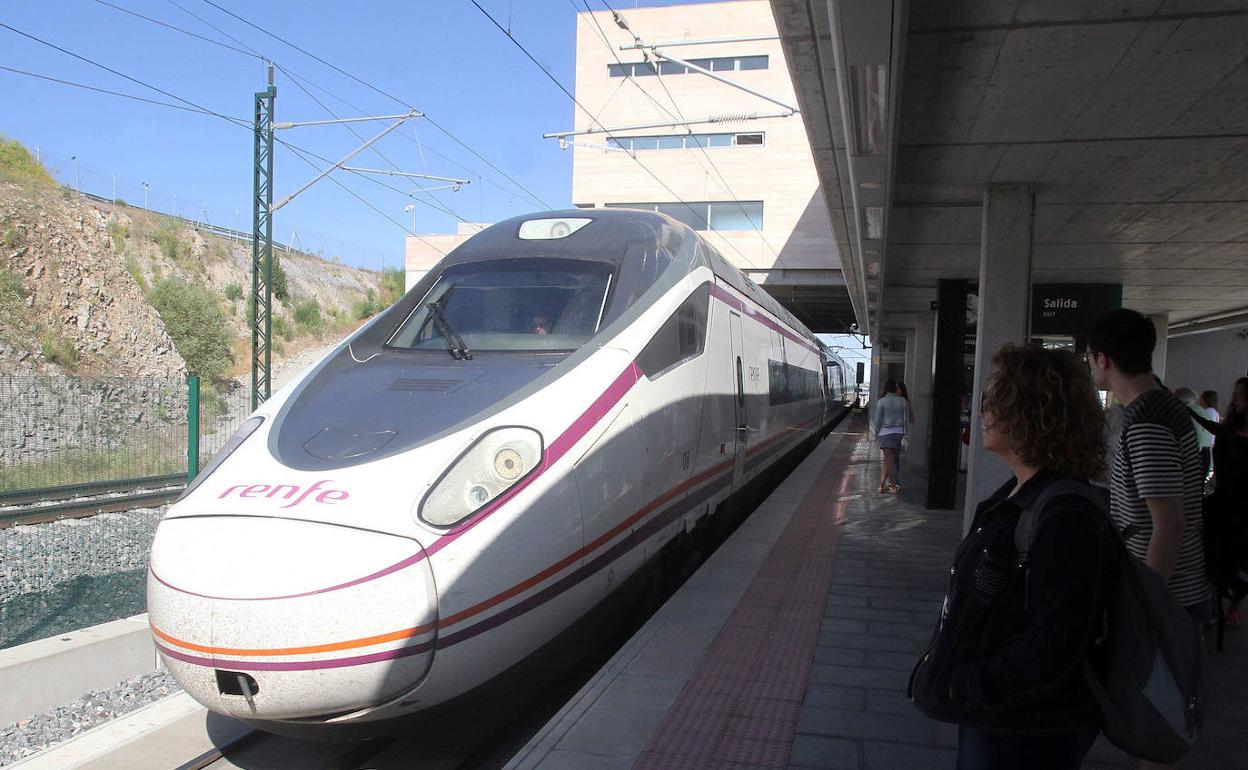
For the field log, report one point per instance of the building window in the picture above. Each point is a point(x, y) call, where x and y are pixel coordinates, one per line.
point(685, 141)
point(718, 64)
point(707, 215)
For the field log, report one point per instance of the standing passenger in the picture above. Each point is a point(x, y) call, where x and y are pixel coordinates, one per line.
point(1203, 437)
point(1006, 661)
point(1157, 481)
point(888, 424)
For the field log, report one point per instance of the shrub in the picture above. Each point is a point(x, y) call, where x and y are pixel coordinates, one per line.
point(278, 287)
point(119, 233)
point(10, 286)
point(392, 279)
point(18, 165)
point(233, 292)
point(308, 315)
point(166, 237)
point(58, 350)
point(282, 329)
point(363, 308)
point(194, 321)
point(132, 267)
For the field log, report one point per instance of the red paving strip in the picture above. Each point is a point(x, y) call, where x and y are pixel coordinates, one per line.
point(740, 707)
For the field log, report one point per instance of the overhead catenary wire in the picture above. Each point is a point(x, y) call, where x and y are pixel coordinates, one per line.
point(433, 202)
point(528, 193)
point(252, 52)
point(194, 107)
point(178, 29)
point(594, 119)
point(120, 94)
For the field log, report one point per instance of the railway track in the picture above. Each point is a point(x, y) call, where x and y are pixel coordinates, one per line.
point(82, 500)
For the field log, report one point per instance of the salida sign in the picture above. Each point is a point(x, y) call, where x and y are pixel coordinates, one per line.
point(1070, 308)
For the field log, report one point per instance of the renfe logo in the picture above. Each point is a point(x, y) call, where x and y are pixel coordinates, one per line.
point(287, 491)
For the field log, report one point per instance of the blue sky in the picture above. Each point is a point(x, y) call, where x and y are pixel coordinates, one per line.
point(443, 57)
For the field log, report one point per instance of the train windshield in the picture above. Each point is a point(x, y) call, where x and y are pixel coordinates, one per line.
point(512, 305)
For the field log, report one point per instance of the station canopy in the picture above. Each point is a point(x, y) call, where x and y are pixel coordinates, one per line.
point(1129, 121)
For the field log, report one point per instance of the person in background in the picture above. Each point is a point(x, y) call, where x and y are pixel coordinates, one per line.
point(888, 426)
point(1203, 437)
point(1157, 480)
point(1209, 402)
point(1226, 510)
point(1006, 661)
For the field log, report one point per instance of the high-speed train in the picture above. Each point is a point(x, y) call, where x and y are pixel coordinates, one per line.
point(477, 468)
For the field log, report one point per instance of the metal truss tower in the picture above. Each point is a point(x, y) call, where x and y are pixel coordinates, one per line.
point(262, 246)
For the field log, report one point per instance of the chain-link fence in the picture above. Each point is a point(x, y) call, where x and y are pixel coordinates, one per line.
point(67, 436)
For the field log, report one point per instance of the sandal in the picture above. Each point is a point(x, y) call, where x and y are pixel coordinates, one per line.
point(894, 489)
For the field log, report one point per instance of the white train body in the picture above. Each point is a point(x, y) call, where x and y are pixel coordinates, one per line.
point(313, 574)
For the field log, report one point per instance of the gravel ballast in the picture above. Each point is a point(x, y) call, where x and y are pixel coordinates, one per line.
point(28, 736)
point(74, 573)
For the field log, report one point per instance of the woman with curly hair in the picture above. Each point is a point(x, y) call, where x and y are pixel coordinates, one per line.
point(1006, 660)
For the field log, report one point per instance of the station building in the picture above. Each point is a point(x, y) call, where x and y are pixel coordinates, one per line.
point(690, 110)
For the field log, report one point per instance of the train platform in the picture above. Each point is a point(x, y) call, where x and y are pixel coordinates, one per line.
point(792, 646)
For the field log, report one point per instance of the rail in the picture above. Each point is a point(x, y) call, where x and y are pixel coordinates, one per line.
point(112, 501)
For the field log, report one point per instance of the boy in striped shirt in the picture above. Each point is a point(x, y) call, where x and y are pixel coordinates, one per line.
point(1157, 479)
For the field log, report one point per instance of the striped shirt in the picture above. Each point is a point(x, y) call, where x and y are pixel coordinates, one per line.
point(1158, 456)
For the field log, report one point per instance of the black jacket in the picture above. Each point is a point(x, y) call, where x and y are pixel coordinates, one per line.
point(1008, 650)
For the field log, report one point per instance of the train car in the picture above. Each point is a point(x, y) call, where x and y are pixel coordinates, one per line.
point(477, 468)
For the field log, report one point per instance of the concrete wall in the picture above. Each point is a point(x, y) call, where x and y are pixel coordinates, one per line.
point(1208, 361)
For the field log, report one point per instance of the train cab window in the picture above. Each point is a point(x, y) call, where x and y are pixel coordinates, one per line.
point(682, 337)
point(509, 305)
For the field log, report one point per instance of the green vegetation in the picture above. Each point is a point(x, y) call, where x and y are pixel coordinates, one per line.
point(10, 286)
point(194, 321)
point(58, 350)
point(132, 267)
point(363, 308)
point(279, 287)
point(308, 315)
point(233, 292)
point(170, 243)
point(119, 234)
point(18, 165)
point(86, 466)
point(392, 280)
point(282, 329)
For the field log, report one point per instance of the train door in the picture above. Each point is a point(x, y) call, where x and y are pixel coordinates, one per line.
point(743, 431)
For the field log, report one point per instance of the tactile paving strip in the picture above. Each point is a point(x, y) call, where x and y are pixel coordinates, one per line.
point(741, 706)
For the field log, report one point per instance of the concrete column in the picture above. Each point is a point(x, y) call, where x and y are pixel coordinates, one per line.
point(920, 385)
point(1161, 324)
point(1004, 291)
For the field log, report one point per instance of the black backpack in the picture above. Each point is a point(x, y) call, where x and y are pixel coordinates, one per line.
point(1146, 668)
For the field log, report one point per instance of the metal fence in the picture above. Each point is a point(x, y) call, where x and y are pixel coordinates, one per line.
point(64, 432)
point(61, 436)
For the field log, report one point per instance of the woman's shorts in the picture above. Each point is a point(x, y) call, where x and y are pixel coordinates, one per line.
point(891, 441)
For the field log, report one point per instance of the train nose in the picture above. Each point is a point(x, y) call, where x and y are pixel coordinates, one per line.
point(266, 618)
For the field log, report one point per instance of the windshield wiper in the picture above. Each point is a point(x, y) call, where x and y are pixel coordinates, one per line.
point(454, 343)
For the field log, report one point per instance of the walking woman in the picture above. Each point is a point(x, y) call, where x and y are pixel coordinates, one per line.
point(889, 421)
point(1006, 660)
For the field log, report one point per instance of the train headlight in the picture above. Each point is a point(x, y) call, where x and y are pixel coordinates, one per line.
point(483, 473)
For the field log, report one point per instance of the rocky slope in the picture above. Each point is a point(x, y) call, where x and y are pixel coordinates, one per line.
point(75, 276)
point(66, 298)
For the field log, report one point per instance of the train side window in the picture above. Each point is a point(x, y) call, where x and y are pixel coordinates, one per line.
point(682, 337)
